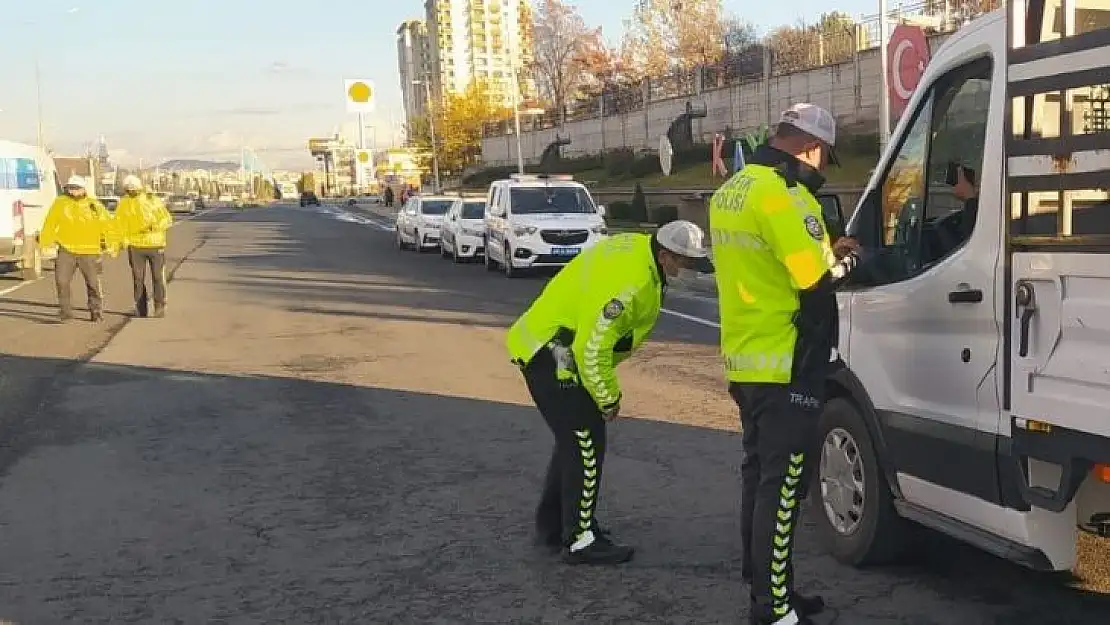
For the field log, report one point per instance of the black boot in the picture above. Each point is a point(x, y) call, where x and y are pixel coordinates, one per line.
point(805, 605)
point(601, 551)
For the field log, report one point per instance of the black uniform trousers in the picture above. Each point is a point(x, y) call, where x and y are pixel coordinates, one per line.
point(779, 438)
point(573, 482)
point(140, 258)
point(66, 265)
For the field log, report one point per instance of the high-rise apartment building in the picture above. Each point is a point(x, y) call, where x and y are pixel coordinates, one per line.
point(415, 62)
point(479, 40)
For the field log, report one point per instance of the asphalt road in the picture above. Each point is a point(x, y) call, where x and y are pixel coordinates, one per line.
point(327, 430)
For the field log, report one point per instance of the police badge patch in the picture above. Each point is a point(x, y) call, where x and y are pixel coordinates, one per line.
point(613, 309)
point(814, 228)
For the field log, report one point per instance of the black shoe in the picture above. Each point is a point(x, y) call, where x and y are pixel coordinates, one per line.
point(805, 605)
point(602, 551)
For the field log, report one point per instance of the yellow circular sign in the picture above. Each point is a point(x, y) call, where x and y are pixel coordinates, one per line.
point(363, 157)
point(360, 92)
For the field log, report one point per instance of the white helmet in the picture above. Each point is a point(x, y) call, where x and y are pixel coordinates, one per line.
point(76, 181)
point(132, 183)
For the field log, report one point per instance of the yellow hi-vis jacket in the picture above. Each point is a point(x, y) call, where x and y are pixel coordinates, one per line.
point(80, 226)
point(608, 300)
point(143, 220)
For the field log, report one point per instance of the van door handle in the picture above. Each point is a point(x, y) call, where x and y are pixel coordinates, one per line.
point(965, 296)
point(1025, 301)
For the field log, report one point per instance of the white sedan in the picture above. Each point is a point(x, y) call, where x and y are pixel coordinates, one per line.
point(461, 237)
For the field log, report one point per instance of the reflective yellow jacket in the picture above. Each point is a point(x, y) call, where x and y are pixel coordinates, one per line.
point(80, 226)
point(608, 299)
point(143, 220)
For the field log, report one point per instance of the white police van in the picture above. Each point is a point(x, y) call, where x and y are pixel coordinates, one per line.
point(973, 391)
point(540, 220)
point(28, 186)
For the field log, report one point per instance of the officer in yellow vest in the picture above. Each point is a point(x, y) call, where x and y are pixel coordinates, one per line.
point(776, 272)
point(144, 221)
point(590, 317)
point(83, 230)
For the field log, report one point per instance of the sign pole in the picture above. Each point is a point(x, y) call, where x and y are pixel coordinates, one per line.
point(884, 68)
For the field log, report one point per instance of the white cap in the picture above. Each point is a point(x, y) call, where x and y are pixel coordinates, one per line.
point(76, 181)
point(132, 183)
point(685, 239)
point(812, 120)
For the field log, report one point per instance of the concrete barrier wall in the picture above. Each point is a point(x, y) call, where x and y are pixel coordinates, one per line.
point(849, 90)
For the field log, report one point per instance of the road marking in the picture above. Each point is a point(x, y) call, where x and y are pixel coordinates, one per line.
point(705, 322)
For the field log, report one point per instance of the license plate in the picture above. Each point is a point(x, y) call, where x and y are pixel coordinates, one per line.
point(564, 251)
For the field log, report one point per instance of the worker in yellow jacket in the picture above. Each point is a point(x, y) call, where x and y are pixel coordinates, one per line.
point(144, 220)
point(83, 230)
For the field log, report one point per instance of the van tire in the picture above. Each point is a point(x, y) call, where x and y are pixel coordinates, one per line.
point(31, 266)
point(881, 534)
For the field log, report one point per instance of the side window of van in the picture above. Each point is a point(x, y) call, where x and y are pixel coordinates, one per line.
point(19, 174)
point(927, 205)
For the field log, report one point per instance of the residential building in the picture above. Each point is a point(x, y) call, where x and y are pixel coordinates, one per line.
point(414, 59)
point(479, 40)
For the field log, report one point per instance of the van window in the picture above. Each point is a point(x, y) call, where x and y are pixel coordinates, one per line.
point(19, 174)
point(533, 200)
point(928, 201)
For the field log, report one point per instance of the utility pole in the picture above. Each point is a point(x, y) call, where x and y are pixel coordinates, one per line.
point(432, 129)
point(516, 121)
point(884, 69)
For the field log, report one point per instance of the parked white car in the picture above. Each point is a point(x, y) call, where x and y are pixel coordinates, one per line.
point(419, 221)
point(539, 220)
point(462, 236)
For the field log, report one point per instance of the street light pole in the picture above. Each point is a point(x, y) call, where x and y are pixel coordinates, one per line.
point(432, 129)
point(516, 122)
point(38, 98)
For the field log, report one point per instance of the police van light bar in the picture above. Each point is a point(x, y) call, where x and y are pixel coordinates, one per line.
point(524, 177)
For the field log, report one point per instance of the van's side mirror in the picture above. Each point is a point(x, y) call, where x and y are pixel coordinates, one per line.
point(601, 210)
point(833, 215)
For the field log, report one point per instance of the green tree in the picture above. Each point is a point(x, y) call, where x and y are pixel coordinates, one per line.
point(459, 121)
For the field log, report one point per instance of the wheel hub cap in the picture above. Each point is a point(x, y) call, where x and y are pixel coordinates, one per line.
point(842, 481)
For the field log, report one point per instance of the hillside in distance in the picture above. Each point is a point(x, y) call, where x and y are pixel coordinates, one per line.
point(191, 165)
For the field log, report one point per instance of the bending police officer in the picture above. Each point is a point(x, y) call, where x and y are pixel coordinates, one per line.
point(83, 230)
point(776, 271)
point(144, 221)
point(590, 317)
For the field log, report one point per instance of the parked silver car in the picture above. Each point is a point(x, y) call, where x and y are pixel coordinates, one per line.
point(181, 204)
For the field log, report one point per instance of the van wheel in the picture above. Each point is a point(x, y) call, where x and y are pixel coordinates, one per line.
point(31, 267)
point(490, 264)
point(854, 506)
point(510, 272)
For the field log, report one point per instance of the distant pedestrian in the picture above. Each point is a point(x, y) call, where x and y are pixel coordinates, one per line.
point(83, 230)
point(388, 197)
point(144, 220)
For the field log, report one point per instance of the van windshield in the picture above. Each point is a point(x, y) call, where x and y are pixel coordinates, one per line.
point(537, 200)
point(435, 207)
point(474, 210)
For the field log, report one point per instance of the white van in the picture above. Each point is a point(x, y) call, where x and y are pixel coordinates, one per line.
point(537, 221)
point(28, 186)
point(973, 391)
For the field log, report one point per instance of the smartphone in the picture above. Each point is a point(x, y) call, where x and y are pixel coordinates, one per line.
point(952, 175)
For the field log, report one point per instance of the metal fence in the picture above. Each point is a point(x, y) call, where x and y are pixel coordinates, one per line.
point(800, 49)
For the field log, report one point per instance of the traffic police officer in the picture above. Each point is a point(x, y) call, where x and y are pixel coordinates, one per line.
point(590, 317)
point(776, 271)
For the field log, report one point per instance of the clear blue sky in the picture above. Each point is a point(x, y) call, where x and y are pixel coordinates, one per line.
point(198, 79)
